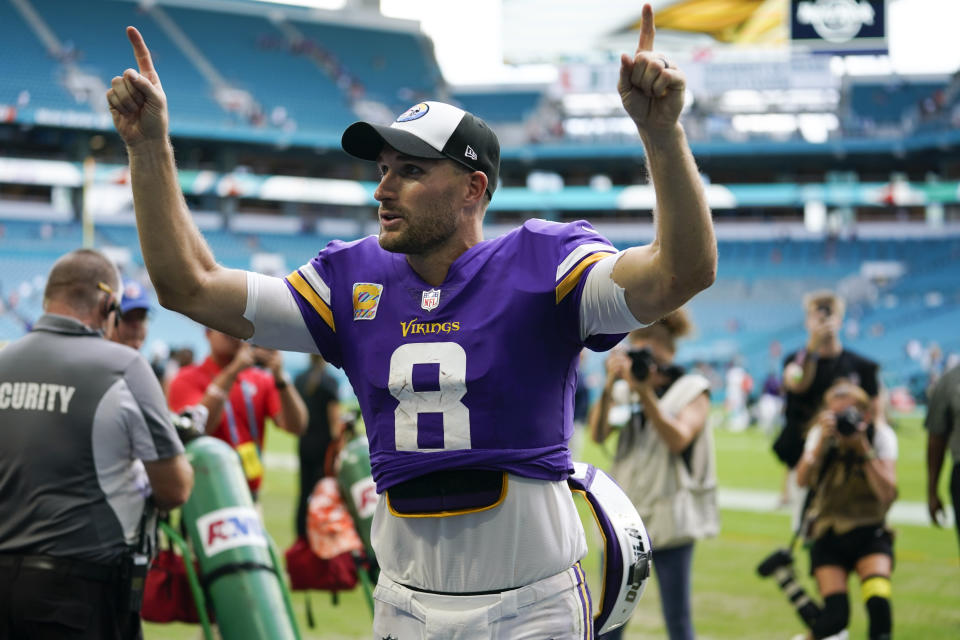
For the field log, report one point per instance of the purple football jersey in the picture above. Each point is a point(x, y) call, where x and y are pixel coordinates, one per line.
point(478, 372)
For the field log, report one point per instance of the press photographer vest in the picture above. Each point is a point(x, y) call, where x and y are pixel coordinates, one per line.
point(675, 494)
point(843, 500)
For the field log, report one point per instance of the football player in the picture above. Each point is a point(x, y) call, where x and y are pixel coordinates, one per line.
point(462, 351)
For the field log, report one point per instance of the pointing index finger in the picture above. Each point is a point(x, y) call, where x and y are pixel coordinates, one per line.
point(142, 54)
point(646, 29)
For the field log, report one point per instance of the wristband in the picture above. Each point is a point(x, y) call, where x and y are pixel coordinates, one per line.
point(281, 382)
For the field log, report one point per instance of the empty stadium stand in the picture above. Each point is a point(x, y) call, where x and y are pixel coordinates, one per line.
point(248, 75)
point(753, 307)
point(266, 78)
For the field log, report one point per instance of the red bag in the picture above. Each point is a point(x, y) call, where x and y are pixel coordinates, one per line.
point(166, 592)
point(324, 560)
point(309, 571)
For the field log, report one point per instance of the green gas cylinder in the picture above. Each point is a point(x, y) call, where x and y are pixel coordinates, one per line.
point(232, 548)
point(357, 487)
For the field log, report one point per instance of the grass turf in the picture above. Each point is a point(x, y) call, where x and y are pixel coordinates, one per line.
point(729, 600)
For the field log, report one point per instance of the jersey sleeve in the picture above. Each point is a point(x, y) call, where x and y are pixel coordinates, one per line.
point(311, 288)
point(576, 247)
point(275, 316)
point(153, 437)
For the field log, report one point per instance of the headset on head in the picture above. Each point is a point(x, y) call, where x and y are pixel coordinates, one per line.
point(114, 304)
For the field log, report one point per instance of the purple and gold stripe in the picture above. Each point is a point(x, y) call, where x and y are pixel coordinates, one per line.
point(585, 604)
point(571, 279)
point(302, 287)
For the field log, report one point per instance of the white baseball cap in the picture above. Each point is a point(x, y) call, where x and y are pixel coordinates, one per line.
point(431, 130)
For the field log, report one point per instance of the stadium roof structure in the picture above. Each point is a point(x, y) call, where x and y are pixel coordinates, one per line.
point(279, 77)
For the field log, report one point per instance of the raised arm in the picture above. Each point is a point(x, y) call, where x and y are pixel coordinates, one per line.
point(682, 259)
point(181, 265)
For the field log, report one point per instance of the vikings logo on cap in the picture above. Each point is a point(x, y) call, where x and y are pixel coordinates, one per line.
point(366, 299)
point(414, 112)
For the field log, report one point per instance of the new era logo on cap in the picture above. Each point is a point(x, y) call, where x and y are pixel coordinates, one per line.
point(431, 130)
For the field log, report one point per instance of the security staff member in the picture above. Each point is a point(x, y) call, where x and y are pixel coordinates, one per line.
point(86, 441)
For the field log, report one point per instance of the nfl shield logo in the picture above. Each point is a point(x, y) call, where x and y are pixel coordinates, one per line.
point(430, 300)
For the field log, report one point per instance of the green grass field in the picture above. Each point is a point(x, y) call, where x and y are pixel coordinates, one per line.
point(730, 601)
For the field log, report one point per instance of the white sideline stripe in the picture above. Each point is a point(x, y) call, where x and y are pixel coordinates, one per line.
point(285, 461)
point(901, 512)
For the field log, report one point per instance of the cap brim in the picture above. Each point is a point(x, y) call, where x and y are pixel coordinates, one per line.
point(134, 305)
point(365, 141)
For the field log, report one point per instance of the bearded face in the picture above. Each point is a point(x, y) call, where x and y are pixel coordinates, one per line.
point(418, 209)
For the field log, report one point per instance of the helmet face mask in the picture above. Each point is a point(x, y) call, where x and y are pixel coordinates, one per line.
point(628, 552)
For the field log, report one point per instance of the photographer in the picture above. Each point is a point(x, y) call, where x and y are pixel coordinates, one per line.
point(809, 372)
point(241, 386)
point(849, 465)
point(664, 459)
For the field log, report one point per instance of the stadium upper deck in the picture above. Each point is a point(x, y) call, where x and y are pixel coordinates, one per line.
point(260, 73)
point(259, 97)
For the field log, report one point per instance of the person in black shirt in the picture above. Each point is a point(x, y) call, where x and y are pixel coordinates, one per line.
point(320, 392)
point(809, 372)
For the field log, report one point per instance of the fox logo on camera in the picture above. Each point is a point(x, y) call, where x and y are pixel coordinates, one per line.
point(230, 528)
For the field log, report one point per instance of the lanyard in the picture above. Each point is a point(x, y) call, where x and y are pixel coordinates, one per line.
point(245, 389)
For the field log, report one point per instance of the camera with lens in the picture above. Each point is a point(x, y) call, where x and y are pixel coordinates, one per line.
point(847, 421)
point(780, 565)
point(777, 559)
point(825, 309)
point(642, 360)
point(190, 423)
